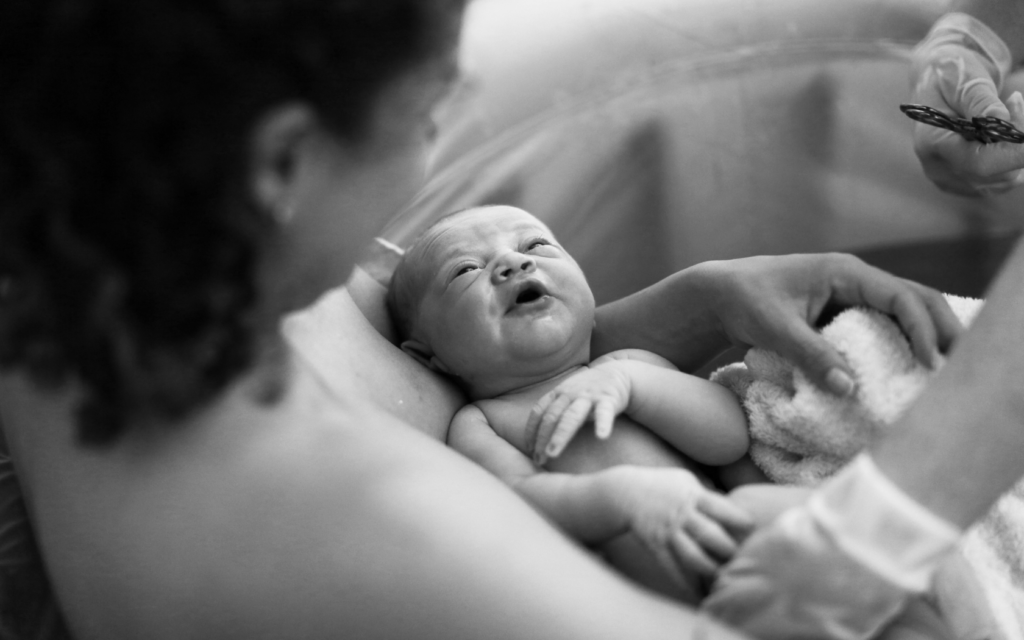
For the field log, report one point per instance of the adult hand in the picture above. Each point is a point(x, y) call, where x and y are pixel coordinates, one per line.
point(774, 302)
point(841, 565)
point(959, 69)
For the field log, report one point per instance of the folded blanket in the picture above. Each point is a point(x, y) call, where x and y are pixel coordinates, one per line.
point(802, 435)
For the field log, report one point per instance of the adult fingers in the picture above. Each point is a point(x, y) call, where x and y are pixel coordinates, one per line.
point(968, 88)
point(803, 346)
point(1015, 103)
point(921, 312)
point(570, 422)
point(948, 157)
point(915, 320)
point(965, 88)
point(947, 325)
point(956, 164)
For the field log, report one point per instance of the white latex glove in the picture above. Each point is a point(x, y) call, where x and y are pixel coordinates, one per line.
point(959, 69)
point(842, 565)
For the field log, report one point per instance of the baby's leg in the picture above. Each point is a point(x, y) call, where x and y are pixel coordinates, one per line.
point(739, 473)
point(766, 501)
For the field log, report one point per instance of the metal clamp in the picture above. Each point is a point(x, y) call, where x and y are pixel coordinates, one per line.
point(985, 129)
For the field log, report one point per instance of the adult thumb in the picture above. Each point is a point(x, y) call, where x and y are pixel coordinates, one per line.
point(812, 354)
point(970, 90)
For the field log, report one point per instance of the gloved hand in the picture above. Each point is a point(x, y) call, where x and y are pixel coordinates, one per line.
point(959, 69)
point(842, 565)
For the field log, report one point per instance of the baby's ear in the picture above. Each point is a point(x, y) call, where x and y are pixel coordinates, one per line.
point(422, 354)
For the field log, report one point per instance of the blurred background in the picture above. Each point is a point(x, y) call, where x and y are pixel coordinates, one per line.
point(655, 134)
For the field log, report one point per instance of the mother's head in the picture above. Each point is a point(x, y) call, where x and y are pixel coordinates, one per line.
point(175, 174)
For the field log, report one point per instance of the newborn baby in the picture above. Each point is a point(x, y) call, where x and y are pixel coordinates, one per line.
point(489, 297)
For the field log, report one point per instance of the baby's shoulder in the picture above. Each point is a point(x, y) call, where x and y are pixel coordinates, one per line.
point(506, 416)
point(502, 410)
point(636, 355)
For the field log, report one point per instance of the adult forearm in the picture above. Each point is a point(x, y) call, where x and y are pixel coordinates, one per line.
point(968, 422)
point(673, 318)
point(1005, 17)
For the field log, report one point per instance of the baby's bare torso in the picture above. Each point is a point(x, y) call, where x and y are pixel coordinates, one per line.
point(630, 442)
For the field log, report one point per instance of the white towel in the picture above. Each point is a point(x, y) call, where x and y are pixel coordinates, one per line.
point(802, 435)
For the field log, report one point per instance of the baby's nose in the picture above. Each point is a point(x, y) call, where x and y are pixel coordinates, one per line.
point(512, 263)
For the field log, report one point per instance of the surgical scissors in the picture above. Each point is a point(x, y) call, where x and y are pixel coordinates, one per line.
point(983, 129)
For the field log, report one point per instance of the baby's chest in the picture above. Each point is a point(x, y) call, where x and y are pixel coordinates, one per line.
point(630, 442)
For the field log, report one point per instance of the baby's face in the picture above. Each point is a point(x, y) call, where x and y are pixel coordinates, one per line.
point(500, 294)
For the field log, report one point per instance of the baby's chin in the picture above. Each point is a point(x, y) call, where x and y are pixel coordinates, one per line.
point(550, 344)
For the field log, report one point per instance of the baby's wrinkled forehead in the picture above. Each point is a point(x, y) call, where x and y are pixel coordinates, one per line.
point(470, 229)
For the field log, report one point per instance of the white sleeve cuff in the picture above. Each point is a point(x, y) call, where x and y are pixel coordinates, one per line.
point(877, 524)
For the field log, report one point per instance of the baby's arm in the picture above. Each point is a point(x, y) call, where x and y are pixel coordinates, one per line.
point(700, 418)
point(687, 527)
point(582, 505)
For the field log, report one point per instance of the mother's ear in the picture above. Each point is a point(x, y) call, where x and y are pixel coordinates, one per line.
point(425, 356)
point(277, 142)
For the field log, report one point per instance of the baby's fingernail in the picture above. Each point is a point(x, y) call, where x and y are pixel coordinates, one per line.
point(840, 382)
point(552, 449)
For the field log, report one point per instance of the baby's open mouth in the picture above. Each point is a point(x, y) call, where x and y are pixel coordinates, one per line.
point(528, 295)
point(529, 292)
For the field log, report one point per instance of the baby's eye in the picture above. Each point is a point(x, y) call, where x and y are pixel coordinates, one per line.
point(465, 269)
point(536, 242)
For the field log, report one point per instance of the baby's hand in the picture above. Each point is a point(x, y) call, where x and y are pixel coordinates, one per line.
point(687, 527)
point(599, 393)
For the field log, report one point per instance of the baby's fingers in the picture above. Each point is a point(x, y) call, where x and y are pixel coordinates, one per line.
point(604, 417)
point(691, 557)
point(548, 422)
point(726, 512)
point(570, 422)
point(533, 422)
point(670, 565)
point(712, 537)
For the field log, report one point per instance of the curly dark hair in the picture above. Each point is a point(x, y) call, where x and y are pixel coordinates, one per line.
point(128, 242)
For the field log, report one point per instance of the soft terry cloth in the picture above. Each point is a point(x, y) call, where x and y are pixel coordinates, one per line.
point(802, 435)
